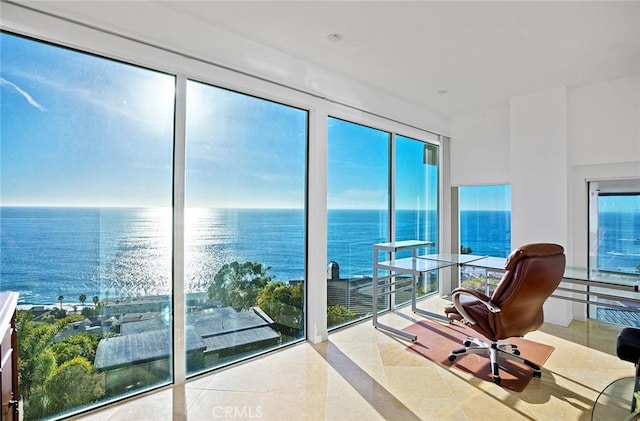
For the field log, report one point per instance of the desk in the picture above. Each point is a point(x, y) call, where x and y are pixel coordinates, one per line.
point(614, 402)
point(417, 265)
point(387, 285)
point(613, 283)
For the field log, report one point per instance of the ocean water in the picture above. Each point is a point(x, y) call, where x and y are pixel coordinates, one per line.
point(116, 252)
point(486, 233)
point(619, 241)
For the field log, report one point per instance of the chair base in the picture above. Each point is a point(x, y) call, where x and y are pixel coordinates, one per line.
point(478, 346)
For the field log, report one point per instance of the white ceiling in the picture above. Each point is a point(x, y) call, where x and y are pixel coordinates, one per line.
point(481, 53)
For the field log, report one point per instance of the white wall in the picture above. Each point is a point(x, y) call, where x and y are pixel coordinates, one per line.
point(605, 122)
point(480, 149)
point(539, 146)
point(605, 144)
point(538, 138)
point(601, 141)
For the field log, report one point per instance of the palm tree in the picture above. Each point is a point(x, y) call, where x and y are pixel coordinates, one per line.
point(60, 298)
point(82, 298)
point(96, 300)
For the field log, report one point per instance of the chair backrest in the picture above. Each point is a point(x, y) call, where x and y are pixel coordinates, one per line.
point(532, 273)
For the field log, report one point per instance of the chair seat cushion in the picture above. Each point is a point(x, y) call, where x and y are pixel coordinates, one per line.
point(628, 345)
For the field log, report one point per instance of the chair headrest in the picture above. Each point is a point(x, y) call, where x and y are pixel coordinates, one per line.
point(532, 250)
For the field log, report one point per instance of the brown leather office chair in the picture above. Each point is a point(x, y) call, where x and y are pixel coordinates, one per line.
point(532, 273)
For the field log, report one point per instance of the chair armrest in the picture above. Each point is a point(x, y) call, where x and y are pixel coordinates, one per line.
point(466, 318)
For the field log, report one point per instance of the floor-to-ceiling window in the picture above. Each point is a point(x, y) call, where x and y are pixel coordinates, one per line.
point(614, 242)
point(85, 223)
point(358, 215)
point(244, 225)
point(416, 201)
point(370, 173)
point(485, 230)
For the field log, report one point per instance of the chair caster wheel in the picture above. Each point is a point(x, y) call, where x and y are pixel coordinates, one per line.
point(496, 379)
point(452, 357)
point(466, 344)
point(537, 374)
point(516, 352)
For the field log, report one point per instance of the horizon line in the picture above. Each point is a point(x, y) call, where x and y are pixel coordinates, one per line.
point(115, 206)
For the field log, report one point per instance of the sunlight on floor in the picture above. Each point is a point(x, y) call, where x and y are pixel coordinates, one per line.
point(362, 373)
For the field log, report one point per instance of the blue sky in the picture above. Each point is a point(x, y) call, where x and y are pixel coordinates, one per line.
point(79, 130)
point(358, 174)
point(243, 151)
point(630, 203)
point(82, 130)
point(497, 197)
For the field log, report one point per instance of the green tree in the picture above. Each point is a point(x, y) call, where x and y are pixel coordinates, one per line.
point(237, 284)
point(59, 313)
point(283, 303)
point(70, 385)
point(82, 298)
point(35, 395)
point(88, 312)
point(337, 315)
point(95, 300)
point(64, 321)
point(479, 283)
point(34, 339)
point(82, 344)
point(55, 377)
point(60, 298)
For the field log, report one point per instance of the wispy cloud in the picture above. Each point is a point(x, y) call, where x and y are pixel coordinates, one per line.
point(24, 94)
point(113, 102)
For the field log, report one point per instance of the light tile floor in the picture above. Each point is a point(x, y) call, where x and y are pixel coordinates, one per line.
point(364, 374)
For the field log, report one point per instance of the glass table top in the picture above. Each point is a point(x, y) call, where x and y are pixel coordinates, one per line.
point(630, 282)
point(614, 402)
point(601, 276)
point(413, 265)
point(403, 245)
point(458, 259)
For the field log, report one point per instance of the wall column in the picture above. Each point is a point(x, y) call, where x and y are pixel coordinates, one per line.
point(539, 172)
point(317, 225)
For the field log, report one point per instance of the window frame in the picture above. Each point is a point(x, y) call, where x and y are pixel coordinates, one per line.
point(597, 188)
point(81, 39)
point(376, 122)
point(65, 32)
